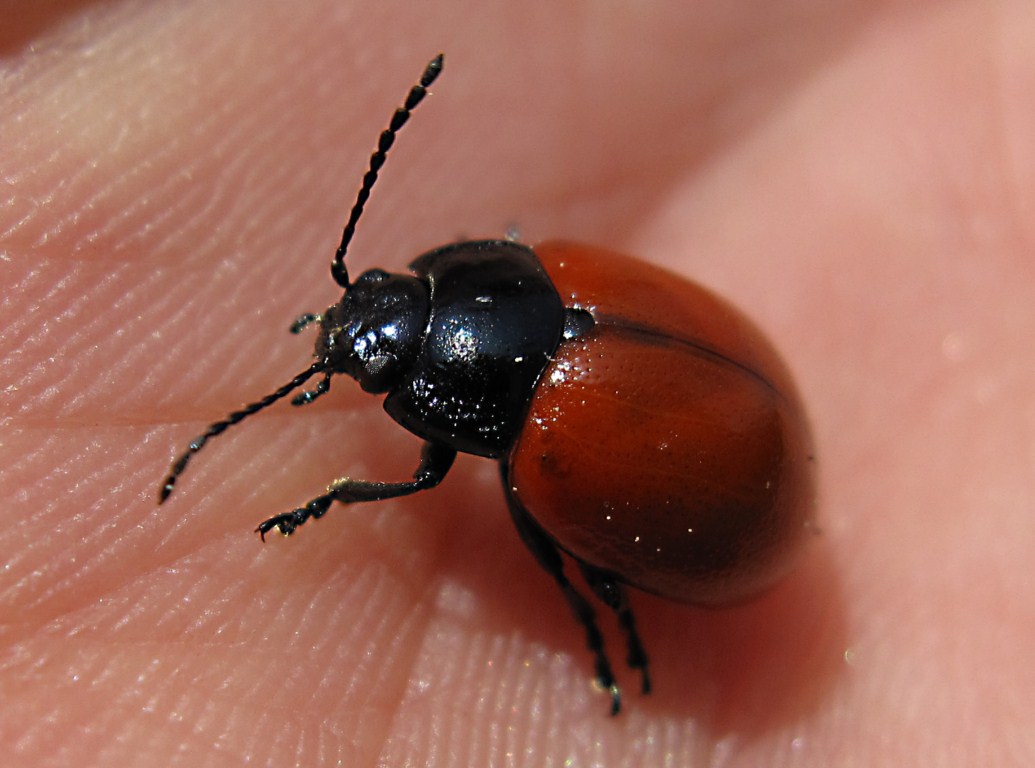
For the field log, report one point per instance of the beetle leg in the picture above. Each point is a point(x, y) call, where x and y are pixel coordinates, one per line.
point(549, 559)
point(435, 462)
point(304, 320)
point(612, 593)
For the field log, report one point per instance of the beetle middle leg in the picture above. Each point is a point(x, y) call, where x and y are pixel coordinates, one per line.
point(435, 462)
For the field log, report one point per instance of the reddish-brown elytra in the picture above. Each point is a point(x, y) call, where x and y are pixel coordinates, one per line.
point(642, 425)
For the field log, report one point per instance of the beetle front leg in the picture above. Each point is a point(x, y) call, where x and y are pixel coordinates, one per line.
point(435, 462)
point(304, 320)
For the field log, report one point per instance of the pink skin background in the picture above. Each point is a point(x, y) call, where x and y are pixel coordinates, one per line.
point(858, 176)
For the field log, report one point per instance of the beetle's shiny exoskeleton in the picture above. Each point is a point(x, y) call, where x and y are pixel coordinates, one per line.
point(642, 425)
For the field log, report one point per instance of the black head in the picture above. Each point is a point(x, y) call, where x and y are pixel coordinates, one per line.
point(374, 333)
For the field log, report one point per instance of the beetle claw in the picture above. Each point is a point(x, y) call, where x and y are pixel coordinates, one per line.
point(616, 699)
point(285, 524)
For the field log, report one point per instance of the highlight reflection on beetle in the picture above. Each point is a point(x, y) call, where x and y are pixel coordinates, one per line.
point(643, 427)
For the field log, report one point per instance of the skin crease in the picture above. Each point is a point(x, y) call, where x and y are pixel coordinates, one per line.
point(857, 177)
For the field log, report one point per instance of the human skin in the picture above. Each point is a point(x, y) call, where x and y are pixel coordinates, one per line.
point(858, 177)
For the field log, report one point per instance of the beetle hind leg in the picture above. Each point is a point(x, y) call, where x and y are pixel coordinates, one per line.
point(549, 559)
point(612, 593)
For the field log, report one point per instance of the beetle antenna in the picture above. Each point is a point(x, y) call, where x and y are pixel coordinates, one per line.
point(219, 427)
point(416, 95)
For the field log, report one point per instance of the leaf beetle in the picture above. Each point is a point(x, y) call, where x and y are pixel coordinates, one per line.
point(643, 427)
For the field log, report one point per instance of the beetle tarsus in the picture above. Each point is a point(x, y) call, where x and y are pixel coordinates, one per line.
point(302, 321)
point(289, 521)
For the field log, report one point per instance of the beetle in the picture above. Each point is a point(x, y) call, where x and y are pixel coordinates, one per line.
point(643, 426)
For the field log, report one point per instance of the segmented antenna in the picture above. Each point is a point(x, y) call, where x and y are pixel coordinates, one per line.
point(221, 426)
point(339, 271)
